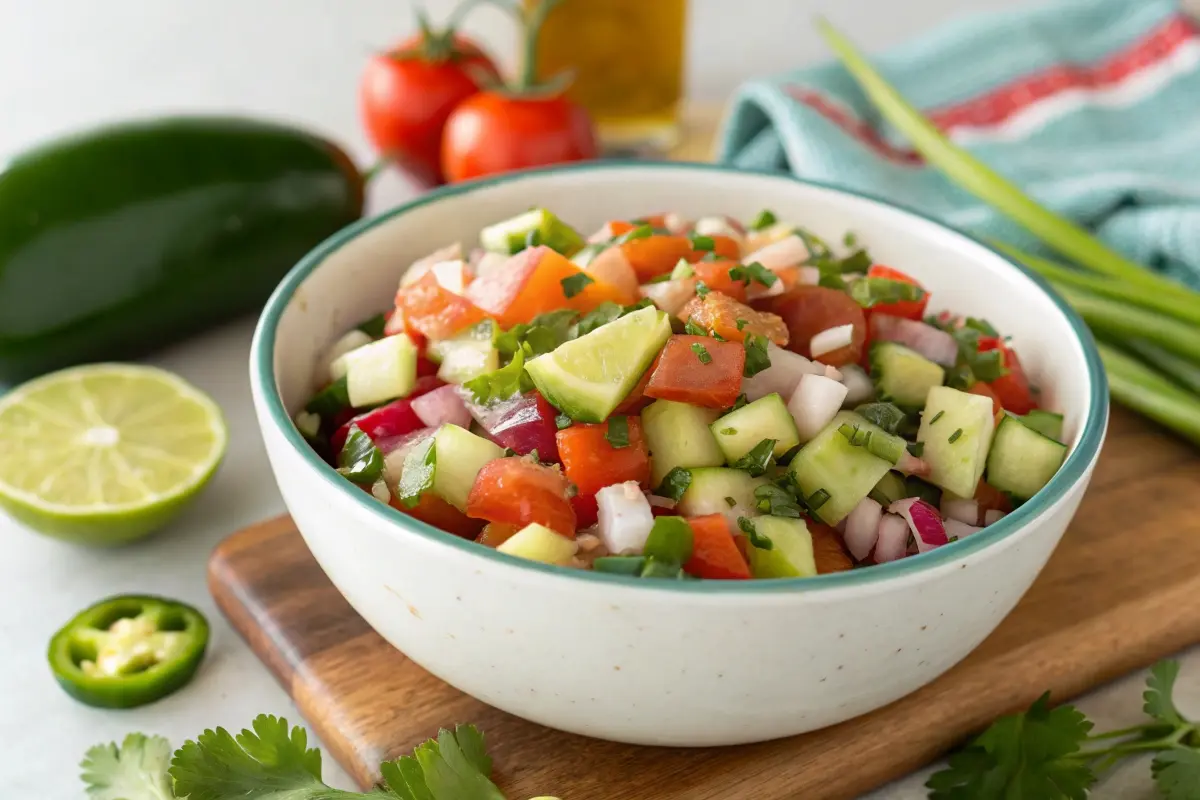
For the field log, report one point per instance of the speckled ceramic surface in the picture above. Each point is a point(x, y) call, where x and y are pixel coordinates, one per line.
point(699, 663)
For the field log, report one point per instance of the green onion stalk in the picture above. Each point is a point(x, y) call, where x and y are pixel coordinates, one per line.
point(1148, 325)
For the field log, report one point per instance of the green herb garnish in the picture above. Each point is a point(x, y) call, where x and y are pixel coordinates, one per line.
point(674, 484)
point(729, 501)
point(503, 383)
point(763, 219)
point(871, 292)
point(330, 400)
point(670, 540)
point(936, 417)
point(640, 232)
point(757, 358)
point(740, 401)
point(757, 539)
point(777, 500)
point(374, 326)
point(742, 323)
point(884, 415)
point(701, 353)
point(954, 437)
point(699, 242)
point(817, 499)
point(702, 289)
point(758, 459)
point(574, 284)
point(690, 327)
point(618, 431)
point(360, 460)
point(753, 271)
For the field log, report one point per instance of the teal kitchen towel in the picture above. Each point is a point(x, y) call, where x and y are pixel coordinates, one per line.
point(1091, 107)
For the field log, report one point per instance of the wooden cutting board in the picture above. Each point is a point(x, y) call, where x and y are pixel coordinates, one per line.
point(1121, 591)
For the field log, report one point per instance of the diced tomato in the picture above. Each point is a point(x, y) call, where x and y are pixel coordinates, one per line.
point(656, 255)
point(721, 314)
point(715, 275)
point(636, 400)
point(587, 511)
point(983, 390)
point(617, 227)
point(610, 267)
point(440, 514)
point(386, 422)
point(683, 377)
point(808, 310)
point(591, 462)
point(426, 368)
point(396, 324)
point(990, 498)
point(435, 311)
point(518, 491)
point(654, 220)
point(715, 554)
point(339, 420)
point(531, 283)
point(829, 551)
point(909, 309)
point(495, 534)
point(1011, 389)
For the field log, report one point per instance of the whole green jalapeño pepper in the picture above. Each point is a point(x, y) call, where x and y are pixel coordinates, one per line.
point(128, 651)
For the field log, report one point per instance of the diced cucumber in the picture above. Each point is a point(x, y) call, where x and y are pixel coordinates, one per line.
point(538, 543)
point(766, 418)
point(791, 553)
point(334, 362)
point(467, 355)
point(588, 377)
point(677, 435)
point(682, 270)
point(830, 466)
point(711, 490)
point(956, 428)
point(889, 489)
point(513, 235)
point(460, 455)
point(308, 424)
point(380, 371)
point(1047, 423)
point(904, 376)
point(1022, 460)
point(888, 446)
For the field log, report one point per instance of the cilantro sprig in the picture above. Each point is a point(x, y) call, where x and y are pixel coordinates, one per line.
point(1052, 753)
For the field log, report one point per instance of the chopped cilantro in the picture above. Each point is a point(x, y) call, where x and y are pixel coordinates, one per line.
point(916, 449)
point(753, 271)
point(758, 459)
point(884, 415)
point(674, 484)
point(936, 417)
point(640, 232)
point(871, 292)
point(503, 383)
point(777, 500)
point(757, 539)
point(374, 326)
point(954, 437)
point(740, 401)
point(360, 460)
point(701, 353)
point(562, 421)
point(702, 242)
point(702, 289)
point(742, 323)
point(690, 327)
point(728, 431)
point(757, 358)
point(729, 501)
point(763, 219)
point(574, 284)
point(618, 431)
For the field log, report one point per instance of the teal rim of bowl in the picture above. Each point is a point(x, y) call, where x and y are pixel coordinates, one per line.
point(262, 358)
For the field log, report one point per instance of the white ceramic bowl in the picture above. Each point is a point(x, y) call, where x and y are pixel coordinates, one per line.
point(665, 662)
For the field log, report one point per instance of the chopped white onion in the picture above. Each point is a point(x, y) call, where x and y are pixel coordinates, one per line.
point(862, 528)
point(934, 344)
point(676, 223)
point(442, 406)
point(393, 461)
point(331, 366)
point(814, 404)
point(809, 276)
point(488, 263)
point(612, 267)
point(782, 377)
point(892, 542)
point(421, 266)
point(719, 226)
point(757, 240)
point(924, 520)
point(450, 275)
point(956, 529)
point(960, 508)
point(601, 236)
point(756, 291)
point(624, 518)
point(859, 388)
point(831, 339)
point(670, 296)
point(660, 502)
point(787, 252)
point(993, 515)
point(381, 492)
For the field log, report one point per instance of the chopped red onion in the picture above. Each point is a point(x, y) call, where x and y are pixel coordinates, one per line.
point(993, 515)
point(677, 223)
point(960, 508)
point(936, 345)
point(956, 529)
point(892, 542)
point(862, 528)
point(814, 404)
point(421, 266)
point(831, 339)
point(924, 521)
point(782, 376)
point(789, 251)
point(859, 388)
point(442, 406)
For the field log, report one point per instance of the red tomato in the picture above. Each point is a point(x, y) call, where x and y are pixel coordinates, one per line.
point(715, 553)
point(808, 310)
point(494, 132)
point(440, 514)
point(518, 491)
point(983, 390)
point(909, 309)
point(637, 400)
point(715, 275)
point(1012, 389)
point(829, 551)
point(391, 421)
point(651, 256)
point(721, 314)
point(683, 377)
point(435, 311)
point(591, 462)
point(406, 96)
point(531, 283)
point(990, 498)
point(586, 509)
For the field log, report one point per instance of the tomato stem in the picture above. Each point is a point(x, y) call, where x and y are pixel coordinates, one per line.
point(373, 171)
point(533, 21)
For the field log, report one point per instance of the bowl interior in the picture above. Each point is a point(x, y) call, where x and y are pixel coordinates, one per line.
point(355, 274)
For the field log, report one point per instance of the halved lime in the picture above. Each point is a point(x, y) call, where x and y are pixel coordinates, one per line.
point(106, 453)
point(588, 377)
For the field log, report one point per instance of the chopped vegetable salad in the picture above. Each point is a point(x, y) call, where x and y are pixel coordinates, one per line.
point(681, 400)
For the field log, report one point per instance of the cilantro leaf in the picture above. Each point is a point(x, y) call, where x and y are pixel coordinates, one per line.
point(692, 329)
point(603, 314)
point(740, 401)
point(543, 333)
point(778, 501)
point(640, 232)
point(1177, 774)
point(758, 459)
point(1159, 688)
point(137, 770)
point(884, 415)
point(455, 766)
point(270, 760)
point(674, 484)
point(701, 353)
point(330, 400)
point(574, 284)
point(702, 289)
point(360, 460)
point(757, 358)
point(618, 431)
point(700, 242)
point(757, 539)
point(1021, 755)
point(503, 383)
point(763, 219)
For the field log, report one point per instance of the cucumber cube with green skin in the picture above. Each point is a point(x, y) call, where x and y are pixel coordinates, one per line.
point(766, 418)
point(677, 435)
point(587, 378)
point(467, 355)
point(956, 428)
point(538, 543)
point(904, 375)
point(1022, 460)
point(459, 456)
point(830, 464)
point(513, 235)
point(710, 487)
point(1047, 423)
point(791, 553)
point(381, 371)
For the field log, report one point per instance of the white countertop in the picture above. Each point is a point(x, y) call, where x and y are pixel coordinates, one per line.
point(69, 63)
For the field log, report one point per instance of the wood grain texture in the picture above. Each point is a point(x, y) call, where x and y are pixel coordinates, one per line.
point(1121, 591)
